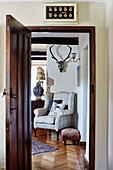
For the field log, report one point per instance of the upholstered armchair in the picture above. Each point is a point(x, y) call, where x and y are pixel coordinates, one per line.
point(61, 116)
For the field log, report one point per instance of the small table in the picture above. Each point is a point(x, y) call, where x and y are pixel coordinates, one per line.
point(35, 104)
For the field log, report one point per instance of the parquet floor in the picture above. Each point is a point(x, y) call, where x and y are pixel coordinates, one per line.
point(70, 157)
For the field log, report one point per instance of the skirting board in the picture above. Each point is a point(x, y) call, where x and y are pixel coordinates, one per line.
point(86, 163)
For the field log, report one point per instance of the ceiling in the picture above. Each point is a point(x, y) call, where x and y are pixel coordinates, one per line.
point(83, 38)
point(53, 0)
point(59, 34)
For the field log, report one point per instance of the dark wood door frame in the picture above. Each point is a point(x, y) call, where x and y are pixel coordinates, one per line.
point(91, 31)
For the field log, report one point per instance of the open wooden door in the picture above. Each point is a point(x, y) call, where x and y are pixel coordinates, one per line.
point(18, 104)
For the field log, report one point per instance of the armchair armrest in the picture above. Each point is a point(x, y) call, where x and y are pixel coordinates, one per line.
point(66, 112)
point(64, 120)
point(41, 112)
point(63, 112)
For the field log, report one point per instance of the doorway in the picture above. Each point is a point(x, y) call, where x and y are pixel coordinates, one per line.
point(65, 81)
point(91, 31)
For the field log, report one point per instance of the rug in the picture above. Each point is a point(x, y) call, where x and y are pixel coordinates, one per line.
point(41, 148)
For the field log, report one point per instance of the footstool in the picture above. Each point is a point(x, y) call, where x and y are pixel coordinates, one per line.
point(71, 134)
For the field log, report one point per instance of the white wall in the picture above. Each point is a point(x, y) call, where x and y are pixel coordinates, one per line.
point(89, 14)
point(110, 82)
point(66, 80)
point(2, 132)
point(82, 91)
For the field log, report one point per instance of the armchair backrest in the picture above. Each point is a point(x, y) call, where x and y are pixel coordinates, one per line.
point(68, 98)
point(48, 96)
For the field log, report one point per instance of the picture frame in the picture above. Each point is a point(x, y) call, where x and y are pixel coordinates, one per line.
point(60, 12)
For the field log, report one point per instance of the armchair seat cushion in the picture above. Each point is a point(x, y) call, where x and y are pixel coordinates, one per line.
point(46, 119)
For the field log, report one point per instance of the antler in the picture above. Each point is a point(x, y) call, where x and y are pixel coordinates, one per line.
point(52, 54)
point(68, 54)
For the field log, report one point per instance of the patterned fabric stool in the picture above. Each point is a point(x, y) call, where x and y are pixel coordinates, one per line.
point(71, 134)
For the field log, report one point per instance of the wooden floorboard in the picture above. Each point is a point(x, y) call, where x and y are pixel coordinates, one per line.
point(70, 157)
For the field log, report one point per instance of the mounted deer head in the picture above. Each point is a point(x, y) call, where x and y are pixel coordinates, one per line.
point(60, 63)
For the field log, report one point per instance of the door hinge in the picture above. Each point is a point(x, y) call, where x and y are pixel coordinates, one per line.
point(8, 22)
point(92, 89)
point(8, 25)
point(8, 29)
point(4, 93)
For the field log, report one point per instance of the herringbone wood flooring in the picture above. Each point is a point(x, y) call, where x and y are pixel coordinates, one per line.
point(70, 156)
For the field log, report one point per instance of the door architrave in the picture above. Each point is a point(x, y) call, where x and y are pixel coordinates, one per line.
point(91, 31)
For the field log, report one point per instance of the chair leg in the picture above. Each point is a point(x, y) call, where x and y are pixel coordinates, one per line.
point(74, 142)
point(49, 132)
point(65, 142)
point(35, 132)
point(79, 143)
point(58, 135)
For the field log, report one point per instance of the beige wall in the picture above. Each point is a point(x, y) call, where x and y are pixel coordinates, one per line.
point(89, 14)
point(110, 82)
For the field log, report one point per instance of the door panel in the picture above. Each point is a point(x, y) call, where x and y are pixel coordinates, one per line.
point(13, 85)
point(20, 101)
point(26, 102)
point(18, 116)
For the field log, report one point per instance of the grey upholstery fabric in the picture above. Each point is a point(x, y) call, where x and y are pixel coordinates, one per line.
point(60, 121)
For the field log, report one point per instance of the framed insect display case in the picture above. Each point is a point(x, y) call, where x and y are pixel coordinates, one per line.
point(60, 12)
